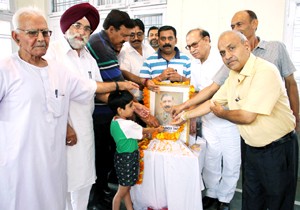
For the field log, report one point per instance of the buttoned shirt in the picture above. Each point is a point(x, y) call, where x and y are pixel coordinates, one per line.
point(132, 61)
point(258, 88)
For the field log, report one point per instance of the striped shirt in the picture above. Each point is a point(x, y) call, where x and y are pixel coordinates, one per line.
point(156, 64)
point(102, 50)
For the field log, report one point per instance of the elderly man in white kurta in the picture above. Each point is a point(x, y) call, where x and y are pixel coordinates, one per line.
point(77, 23)
point(34, 103)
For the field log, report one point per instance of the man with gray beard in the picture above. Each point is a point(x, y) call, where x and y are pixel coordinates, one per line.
point(77, 24)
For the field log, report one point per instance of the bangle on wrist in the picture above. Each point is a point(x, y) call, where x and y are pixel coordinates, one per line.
point(180, 78)
point(183, 116)
point(145, 82)
point(117, 86)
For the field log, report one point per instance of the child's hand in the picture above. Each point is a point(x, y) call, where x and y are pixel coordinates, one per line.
point(159, 129)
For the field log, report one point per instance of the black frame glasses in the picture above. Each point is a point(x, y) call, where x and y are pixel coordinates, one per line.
point(35, 32)
point(193, 45)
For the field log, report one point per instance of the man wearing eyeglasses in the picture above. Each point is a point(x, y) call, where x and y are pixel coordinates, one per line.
point(77, 24)
point(222, 157)
point(134, 52)
point(168, 63)
point(35, 94)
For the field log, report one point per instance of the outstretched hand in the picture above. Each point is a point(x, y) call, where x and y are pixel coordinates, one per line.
point(152, 86)
point(179, 119)
point(141, 110)
point(176, 109)
point(144, 113)
point(217, 109)
point(127, 85)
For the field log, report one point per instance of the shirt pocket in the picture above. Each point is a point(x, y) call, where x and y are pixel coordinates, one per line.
point(56, 103)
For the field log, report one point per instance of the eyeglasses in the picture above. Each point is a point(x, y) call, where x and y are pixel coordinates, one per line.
point(35, 33)
point(80, 26)
point(193, 45)
point(138, 34)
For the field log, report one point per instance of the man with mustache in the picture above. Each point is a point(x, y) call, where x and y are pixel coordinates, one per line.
point(275, 52)
point(168, 63)
point(222, 156)
point(254, 97)
point(104, 46)
point(153, 37)
point(35, 94)
point(134, 52)
point(166, 103)
point(77, 24)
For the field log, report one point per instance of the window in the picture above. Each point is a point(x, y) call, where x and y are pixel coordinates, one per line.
point(4, 5)
point(62, 5)
point(107, 2)
point(295, 54)
point(150, 20)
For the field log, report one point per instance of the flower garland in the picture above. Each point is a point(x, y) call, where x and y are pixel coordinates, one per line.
point(143, 144)
point(174, 136)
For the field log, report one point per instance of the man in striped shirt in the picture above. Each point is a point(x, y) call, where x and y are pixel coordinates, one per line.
point(168, 63)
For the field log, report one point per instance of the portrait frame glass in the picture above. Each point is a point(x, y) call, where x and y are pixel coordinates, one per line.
point(180, 94)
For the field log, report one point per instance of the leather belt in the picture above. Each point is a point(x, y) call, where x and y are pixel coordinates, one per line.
point(277, 142)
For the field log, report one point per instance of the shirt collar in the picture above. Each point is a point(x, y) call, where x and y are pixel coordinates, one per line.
point(104, 36)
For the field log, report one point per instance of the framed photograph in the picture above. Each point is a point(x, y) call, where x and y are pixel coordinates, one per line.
point(161, 103)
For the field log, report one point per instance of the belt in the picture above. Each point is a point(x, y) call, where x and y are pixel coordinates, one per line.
point(277, 142)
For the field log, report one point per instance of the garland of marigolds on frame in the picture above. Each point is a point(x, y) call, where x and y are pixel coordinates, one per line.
point(143, 144)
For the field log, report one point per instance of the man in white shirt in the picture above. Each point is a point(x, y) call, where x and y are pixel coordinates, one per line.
point(135, 52)
point(77, 24)
point(222, 157)
point(34, 102)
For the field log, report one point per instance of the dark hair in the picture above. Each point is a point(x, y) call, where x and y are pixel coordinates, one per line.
point(167, 28)
point(118, 99)
point(152, 28)
point(251, 14)
point(117, 18)
point(137, 22)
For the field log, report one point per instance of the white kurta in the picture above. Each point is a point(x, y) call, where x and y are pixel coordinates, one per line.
point(132, 61)
point(81, 157)
point(34, 106)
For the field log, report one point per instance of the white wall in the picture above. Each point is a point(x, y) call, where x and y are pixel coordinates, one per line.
point(215, 16)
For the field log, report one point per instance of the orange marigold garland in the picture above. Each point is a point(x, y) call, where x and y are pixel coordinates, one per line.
point(174, 136)
point(143, 144)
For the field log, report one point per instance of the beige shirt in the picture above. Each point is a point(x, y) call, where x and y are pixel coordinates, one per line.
point(258, 88)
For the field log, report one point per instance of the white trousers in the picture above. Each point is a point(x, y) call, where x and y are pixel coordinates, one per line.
point(222, 161)
point(78, 200)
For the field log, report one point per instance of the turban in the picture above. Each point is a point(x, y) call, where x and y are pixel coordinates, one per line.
point(76, 13)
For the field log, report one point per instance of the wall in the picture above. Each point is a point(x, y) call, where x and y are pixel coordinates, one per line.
point(215, 16)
